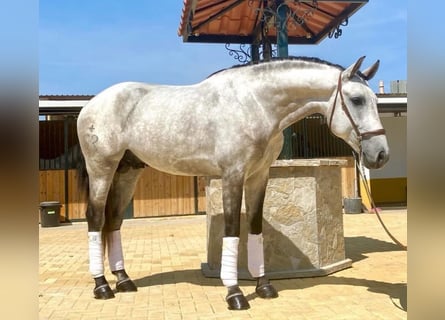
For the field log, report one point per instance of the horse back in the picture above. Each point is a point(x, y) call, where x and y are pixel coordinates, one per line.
point(176, 129)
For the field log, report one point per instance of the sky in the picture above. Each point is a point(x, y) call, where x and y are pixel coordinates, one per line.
point(86, 46)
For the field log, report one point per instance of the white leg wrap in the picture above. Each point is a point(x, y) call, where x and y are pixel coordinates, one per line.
point(255, 255)
point(115, 256)
point(96, 254)
point(229, 261)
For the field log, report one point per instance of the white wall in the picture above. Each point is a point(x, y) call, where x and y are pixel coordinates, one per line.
point(396, 134)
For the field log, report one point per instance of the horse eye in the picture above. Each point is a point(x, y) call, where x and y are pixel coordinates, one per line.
point(358, 101)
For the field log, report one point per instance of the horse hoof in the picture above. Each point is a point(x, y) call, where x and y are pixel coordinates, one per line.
point(266, 291)
point(126, 285)
point(237, 301)
point(103, 292)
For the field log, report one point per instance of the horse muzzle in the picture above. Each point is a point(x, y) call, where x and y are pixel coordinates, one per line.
point(375, 152)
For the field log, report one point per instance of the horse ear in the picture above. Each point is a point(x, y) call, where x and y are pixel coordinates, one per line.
point(371, 71)
point(352, 70)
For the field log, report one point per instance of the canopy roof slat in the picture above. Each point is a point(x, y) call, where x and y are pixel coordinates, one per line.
point(238, 21)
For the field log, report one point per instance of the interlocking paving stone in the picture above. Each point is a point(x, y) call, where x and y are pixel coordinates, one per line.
point(163, 256)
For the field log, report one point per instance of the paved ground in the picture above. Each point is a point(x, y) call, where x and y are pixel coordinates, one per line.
point(163, 256)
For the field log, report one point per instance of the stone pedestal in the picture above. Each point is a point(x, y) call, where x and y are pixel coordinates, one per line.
point(302, 224)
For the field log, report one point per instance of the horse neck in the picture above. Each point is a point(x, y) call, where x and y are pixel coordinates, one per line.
point(291, 93)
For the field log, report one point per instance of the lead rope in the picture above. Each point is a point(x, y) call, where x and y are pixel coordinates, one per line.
point(368, 191)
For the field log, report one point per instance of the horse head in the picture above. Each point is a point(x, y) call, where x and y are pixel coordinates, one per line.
point(353, 115)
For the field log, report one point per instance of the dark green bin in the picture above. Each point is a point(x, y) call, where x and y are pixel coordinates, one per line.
point(352, 205)
point(50, 213)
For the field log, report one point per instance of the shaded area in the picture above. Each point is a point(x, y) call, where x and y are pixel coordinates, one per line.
point(397, 292)
point(356, 248)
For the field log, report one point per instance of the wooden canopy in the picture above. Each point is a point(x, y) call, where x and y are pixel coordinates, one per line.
point(253, 21)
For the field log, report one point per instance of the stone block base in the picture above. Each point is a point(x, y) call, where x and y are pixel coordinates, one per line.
point(302, 222)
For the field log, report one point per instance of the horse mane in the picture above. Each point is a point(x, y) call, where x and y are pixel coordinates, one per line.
point(290, 58)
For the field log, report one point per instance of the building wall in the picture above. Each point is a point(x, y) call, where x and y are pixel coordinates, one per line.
point(389, 184)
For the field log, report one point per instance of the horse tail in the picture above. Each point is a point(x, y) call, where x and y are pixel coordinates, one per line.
point(83, 179)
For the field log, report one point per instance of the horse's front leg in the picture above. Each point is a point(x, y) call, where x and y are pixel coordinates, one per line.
point(232, 188)
point(255, 188)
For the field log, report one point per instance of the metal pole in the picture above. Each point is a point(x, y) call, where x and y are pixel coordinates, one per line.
point(66, 121)
point(196, 192)
point(267, 50)
point(282, 38)
point(255, 53)
point(282, 46)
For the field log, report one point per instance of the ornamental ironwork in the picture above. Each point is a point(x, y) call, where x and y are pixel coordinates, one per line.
point(297, 16)
point(337, 31)
point(298, 13)
point(243, 54)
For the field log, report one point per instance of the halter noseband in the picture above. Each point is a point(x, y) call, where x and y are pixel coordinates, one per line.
point(361, 136)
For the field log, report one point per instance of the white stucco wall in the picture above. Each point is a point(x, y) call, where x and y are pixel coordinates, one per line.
point(396, 134)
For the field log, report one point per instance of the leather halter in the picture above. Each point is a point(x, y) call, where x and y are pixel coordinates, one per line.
point(361, 136)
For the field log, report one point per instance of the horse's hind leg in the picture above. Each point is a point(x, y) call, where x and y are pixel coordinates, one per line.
point(121, 192)
point(255, 188)
point(112, 185)
point(100, 178)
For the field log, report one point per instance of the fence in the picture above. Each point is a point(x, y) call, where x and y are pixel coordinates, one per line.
point(157, 194)
point(53, 185)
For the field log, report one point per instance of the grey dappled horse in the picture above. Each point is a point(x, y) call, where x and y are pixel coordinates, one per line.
point(228, 125)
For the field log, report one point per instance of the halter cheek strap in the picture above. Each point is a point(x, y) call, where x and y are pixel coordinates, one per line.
point(361, 135)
